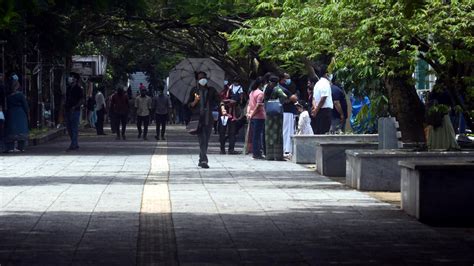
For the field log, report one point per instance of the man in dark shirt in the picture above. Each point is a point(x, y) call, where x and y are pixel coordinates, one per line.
point(339, 112)
point(2, 91)
point(74, 98)
point(201, 101)
point(161, 105)
point(289, 112)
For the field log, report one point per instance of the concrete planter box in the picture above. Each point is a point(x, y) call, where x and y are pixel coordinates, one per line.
point(331, 156)
point(50, 135)
point(304, 146)
point(378, 170)
point(438, 192)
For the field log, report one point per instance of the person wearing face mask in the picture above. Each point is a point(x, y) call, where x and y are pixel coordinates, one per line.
point(143, 106)
point(274, 122)
point(202, 100)
point(289, 112)
point(16, 118)
point(339, 111)
point(322, 102)
point(74, 98)
point(234, 100)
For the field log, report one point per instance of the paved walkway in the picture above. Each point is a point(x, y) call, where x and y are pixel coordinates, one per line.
point(135, 202)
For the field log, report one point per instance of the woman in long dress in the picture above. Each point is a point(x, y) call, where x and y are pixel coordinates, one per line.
point(16, 128)
point(274, 123)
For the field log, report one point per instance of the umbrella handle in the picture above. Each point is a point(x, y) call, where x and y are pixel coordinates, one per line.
point(194, 70)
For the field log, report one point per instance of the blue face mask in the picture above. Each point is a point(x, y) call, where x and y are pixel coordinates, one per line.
point(287, 81)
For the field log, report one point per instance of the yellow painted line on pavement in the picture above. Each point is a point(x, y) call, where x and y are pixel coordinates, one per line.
point(156, 240)
point(156, 198)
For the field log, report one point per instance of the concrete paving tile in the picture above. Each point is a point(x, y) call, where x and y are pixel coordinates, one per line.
point(86, 208)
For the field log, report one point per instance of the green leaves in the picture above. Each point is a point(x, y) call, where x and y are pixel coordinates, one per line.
point(382, 35)
point(7, 13)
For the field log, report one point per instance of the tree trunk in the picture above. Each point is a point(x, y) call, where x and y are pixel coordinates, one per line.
point(454, 83)
point(406, 106)
point(309, 67)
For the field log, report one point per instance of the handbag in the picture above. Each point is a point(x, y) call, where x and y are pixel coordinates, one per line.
point(193, 127)
point(273, 107)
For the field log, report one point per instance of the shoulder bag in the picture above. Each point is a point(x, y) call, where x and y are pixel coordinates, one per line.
point(273, 106)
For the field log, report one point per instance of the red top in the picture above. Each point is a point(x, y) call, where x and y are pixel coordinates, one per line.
point(119, 103)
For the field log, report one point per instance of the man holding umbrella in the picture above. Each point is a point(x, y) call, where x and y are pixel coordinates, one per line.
point(202, 100)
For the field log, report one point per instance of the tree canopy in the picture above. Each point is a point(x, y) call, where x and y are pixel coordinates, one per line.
point(372, 40)
point(373, 45)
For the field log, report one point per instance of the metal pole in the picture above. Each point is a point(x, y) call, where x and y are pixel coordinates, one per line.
point(3, 42)
point(39, 122)
point(51, 95)
point(3, 61)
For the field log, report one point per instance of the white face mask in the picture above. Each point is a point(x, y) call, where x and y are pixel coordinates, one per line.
point(203, 82)
point(236, 88)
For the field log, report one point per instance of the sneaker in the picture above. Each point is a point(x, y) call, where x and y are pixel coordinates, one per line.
point(204, 165)
point(234, 152)
point(464, 138)
point(145, 138)
point(157, 138)
point(72, 148)
point(163, 138)
point(258, 157)
point(223, 152)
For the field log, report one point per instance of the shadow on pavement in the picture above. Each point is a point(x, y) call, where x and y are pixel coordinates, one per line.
point(178, 141)
point(334, 235)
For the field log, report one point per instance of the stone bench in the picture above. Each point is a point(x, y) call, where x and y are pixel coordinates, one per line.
point(331, 156)
point(439, 192)
point(304, 146)
point(378, 170)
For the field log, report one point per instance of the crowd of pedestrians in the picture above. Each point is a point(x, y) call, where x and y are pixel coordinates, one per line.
point(123, 109)
point(268, 133)
point(271, 111)
point(274, 110)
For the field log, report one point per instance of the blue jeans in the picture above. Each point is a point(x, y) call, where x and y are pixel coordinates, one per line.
point(73, 127)
point(462, 124)
point(258, 126)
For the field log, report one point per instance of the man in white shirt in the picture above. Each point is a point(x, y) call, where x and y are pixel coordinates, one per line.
point(322, 104)
point(143, 106)
point(100, 109)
